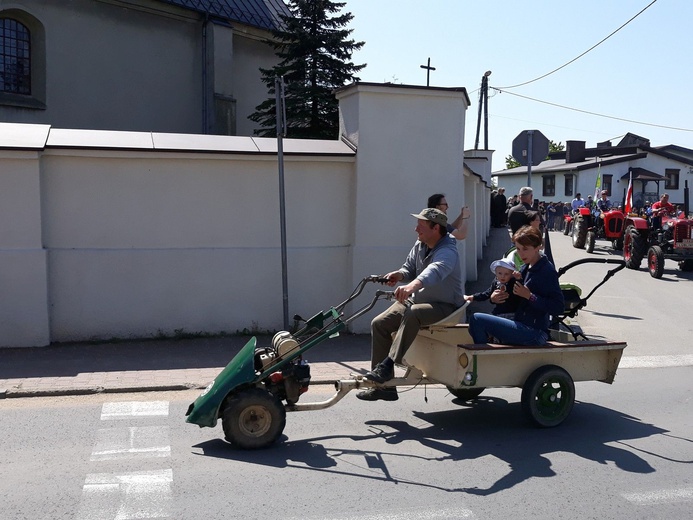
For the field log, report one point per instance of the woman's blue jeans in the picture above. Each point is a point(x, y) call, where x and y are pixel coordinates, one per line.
point(510, 332)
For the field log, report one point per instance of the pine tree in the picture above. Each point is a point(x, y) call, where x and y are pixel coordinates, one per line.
point(315, 52)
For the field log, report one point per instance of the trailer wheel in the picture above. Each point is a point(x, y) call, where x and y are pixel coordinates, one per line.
point(548, 396)
point(465, 394)
point(253, 418)
point(590, 240)
point(655, 261)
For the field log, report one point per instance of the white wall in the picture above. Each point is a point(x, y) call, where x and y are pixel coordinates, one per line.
point(135, 234)
point(23, 308)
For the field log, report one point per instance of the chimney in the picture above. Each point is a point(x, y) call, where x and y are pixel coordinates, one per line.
point(574, 151)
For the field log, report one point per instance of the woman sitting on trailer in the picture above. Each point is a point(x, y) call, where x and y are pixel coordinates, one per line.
point(541, 298)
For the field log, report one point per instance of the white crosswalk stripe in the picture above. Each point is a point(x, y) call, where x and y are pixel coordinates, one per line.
point(661, 496)
point(130, 409)
point(136, 494)
point(124, 496)
point(131, 443)
point(684, 360)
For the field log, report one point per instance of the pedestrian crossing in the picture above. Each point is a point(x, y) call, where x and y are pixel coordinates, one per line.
point(136, 494)
point(132, 435)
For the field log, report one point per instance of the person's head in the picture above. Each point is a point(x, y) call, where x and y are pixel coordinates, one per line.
point(664, 197)
point(578, 196)
point(589, 198)
point(526, 194)
point(528, 242)
point(603, 194)
point(534, 219)
point(431, 226)
point(437, 201)
point(503, 269)
point(501, 191)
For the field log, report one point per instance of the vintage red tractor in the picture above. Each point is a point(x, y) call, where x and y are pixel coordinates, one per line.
point(659, 238)
point(588, 225)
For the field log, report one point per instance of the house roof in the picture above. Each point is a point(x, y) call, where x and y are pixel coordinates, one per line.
point(556, 165)
point(641, 174)
point(631, 147)
point(265, 14)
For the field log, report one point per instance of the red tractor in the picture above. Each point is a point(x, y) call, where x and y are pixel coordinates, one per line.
point(590, 224)
point(667, 236)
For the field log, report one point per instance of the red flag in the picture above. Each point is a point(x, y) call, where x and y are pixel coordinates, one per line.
point(629, 195)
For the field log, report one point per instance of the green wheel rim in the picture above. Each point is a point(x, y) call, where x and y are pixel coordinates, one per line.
point(552, 398)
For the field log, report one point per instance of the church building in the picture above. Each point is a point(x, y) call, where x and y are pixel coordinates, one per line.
point(179, 66)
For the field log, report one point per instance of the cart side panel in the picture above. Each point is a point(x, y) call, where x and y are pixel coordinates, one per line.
point(436, 354)
point(512, 368)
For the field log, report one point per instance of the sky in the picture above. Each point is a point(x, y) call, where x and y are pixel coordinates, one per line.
point(642, 73)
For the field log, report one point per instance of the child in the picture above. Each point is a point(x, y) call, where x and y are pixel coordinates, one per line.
point(541, 298)
point(505, 272)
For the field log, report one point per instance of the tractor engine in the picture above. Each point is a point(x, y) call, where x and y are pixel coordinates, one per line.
point(293, 378)
point(675, 234)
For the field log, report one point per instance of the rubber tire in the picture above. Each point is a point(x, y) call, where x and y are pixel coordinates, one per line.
point(686, 265)
point(590, 240)
point(465, 394)
point(617, 244)
point(579, 232)
point(634, 247)
point(655, 261)
point(548, 396)
point(566, 228)
point(253, 419)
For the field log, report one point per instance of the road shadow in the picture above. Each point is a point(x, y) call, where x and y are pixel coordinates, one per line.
point(479, 428)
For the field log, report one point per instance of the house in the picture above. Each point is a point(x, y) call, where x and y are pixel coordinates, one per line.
point(654, 169)
point(183, 66)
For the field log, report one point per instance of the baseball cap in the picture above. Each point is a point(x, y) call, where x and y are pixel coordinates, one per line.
point(434, 215)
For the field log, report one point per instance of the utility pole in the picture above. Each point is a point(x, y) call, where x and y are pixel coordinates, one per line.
point(483, 103)
point(428, 72)
point(281, 132)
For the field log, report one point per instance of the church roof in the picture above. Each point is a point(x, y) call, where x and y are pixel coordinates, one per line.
point(265, 14)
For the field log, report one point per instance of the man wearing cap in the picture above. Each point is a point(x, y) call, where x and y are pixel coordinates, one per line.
point(589, 203)
point(432, 290)
point(517, 215)
point(604, 204)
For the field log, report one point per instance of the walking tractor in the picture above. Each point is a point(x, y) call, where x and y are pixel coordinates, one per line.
point(260, 385)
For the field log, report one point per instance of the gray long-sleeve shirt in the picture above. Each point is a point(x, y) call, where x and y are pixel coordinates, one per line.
point(437, 269)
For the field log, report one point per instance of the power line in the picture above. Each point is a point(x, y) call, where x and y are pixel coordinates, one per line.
point(581, 55)
point(593, 113)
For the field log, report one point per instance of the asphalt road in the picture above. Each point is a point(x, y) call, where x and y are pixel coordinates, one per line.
point(625, 452)
point(652, 315)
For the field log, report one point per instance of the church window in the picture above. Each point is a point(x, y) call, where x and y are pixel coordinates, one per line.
point(15, 57)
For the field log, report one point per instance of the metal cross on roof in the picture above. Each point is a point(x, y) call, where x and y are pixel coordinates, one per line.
point(428, 72)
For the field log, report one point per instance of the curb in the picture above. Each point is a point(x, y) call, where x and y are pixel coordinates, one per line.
point(9, 393)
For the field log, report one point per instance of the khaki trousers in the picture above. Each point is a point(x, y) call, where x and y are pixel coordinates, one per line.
point(405, 320)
